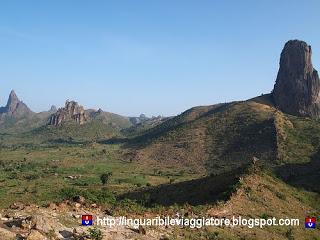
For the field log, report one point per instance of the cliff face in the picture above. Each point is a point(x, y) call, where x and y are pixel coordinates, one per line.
point(72, 111)
point(297, 86)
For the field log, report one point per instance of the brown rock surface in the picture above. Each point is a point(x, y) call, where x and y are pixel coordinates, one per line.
point(297, 86)
point(6, 234)
point(35, 235)
point(58, 223)
point(72, 111)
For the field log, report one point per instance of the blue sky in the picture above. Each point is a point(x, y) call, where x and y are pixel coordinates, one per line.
point(153, 57)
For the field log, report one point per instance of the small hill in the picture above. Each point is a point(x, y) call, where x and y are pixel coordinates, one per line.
point(114, 120)
point(72, 133)
point(215, 138)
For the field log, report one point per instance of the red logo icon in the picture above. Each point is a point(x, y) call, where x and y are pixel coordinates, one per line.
point(86, 220)
point(310, 222)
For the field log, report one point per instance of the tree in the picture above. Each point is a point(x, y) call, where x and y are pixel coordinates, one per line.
point(104, 178)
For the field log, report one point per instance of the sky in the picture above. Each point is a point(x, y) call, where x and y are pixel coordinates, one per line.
point(156, 57)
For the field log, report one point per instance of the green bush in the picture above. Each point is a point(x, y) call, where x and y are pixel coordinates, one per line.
point(105, 178)
point(95, 233)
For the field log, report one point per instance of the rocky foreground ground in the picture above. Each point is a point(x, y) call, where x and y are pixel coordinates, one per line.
point(258, 195)
point(62, 221)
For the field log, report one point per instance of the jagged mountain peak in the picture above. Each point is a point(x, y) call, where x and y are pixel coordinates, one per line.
point(71, 111)
point(13, 101)
point(15, 107)
point(53, 109)
point(13, 95)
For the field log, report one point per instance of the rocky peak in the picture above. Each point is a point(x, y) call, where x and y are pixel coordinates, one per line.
point(14, 107)
point(71, 111)
point(53, 109)
point(297, 87)
point(13, 101)
point(140, 119)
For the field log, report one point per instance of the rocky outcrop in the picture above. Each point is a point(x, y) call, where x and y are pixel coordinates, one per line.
point(140, 119)
point(14, 108)
point(297, 87)
point(71, 112)
point(53, 109)
point(63, 221)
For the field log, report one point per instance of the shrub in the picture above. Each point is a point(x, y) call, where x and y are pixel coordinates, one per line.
point(281, 196)
point(31, 176)
point(95, 233)
point(105, 177)
point(213, 235)
point(289, 234)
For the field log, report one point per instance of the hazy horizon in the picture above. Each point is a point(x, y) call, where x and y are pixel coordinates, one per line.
point(156, 58)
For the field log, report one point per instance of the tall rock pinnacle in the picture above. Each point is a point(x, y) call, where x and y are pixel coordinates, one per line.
point(15, 107)
point(297, 88)
point(13, 102)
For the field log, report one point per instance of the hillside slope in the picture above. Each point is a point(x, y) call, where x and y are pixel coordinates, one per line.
point(214, 138)
point(220, 138)
point(261, 195)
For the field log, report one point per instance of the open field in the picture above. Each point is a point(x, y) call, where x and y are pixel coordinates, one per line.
point(39, 174)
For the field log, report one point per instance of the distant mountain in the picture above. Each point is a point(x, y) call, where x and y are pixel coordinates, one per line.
point(114, 120)
point(15, 108)
point(140, 119)
point(72, 111)
point(16, 116)
point(53, 109)
point(73, 122)
point(142, 124)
